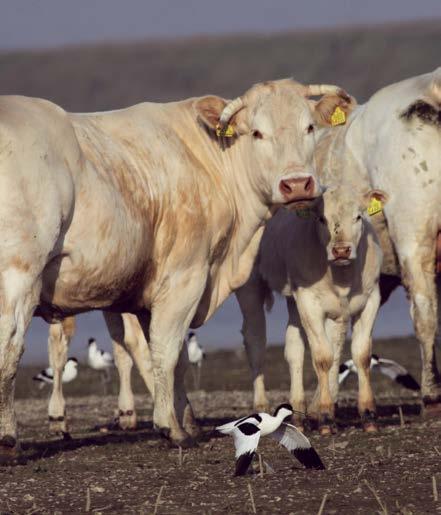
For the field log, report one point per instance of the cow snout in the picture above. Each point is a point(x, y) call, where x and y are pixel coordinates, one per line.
point(297, 189)
point(341, 251)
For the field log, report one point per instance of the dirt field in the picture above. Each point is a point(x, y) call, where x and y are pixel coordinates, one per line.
point(137, 472)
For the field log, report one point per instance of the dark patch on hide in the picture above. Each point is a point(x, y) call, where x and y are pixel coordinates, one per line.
point(427, 113)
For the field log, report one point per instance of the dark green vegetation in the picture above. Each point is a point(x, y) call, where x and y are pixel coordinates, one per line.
point(110, 76)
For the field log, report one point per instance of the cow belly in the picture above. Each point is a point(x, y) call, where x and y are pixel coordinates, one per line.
point(71, 284)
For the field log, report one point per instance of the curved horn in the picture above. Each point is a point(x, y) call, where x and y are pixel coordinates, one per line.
point(326, 89)
point(230, 109)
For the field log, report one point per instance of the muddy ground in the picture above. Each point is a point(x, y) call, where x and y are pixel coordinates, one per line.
point(115, 472)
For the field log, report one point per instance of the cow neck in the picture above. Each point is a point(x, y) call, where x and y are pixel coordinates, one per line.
point(232, 176)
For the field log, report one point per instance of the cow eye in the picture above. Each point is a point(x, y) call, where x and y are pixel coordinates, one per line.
point(358, 218)
point(257, 134)
point(322, 220)
point(310, 128)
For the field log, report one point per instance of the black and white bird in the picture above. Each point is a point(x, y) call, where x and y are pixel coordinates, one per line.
point(196, 355)
point(247, 431)
point(195, 352)
point(70, 372)
point(388, 367)
point(98, 359)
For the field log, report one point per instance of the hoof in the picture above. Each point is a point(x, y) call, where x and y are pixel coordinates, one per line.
point(185, 441)
point(309, 425)
point(370, 427)
point(327, 426)
point(127, 420)
point(369, 422)
point(58, 426)
point(190, 423)
point(194, 430)
point(431, 407)
point(326, 430)
point(9, 450)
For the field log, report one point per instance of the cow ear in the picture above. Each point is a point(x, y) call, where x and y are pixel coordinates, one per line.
point(375, 196)
point(332, 110)
point(208, 110)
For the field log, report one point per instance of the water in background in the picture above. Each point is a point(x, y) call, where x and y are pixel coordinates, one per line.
point(222, 331)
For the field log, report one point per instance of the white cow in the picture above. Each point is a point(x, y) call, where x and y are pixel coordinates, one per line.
point(102, 211)
point(327, 266)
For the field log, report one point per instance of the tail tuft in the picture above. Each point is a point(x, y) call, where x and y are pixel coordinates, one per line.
point(269, 300)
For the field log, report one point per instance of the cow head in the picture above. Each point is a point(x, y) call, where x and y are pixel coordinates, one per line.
point(272, 128)
point(340, 220)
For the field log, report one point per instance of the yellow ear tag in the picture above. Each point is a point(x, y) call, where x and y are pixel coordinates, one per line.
point(338, 117)
point(225, 132)
point(303, 213)
point(375, 206)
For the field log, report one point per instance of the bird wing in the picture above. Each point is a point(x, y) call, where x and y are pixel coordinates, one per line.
point(298, 445)
point(397, 373)
point(45, 376)
point(246, 439)
point(229, 426)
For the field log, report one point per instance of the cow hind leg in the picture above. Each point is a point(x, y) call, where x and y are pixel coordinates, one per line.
point(126, 401)
point(251, 298)
point(18, 298)
point(420, 281)
point(60, 335)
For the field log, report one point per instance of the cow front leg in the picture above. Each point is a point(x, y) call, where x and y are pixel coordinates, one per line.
point(361, 348)
point(126, 401)
point(164, 330)
point(420, 281)
point(313, 321)
point(60, 335)
point(251, 298)
point(19, 297)
point(295, 355)
point(336, 333)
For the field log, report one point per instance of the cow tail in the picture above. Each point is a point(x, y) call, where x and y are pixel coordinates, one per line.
point(269, 299)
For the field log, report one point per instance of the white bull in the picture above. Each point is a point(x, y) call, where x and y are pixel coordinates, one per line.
point(153, 210)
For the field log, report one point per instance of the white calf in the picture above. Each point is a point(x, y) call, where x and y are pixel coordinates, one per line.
point(327, 266)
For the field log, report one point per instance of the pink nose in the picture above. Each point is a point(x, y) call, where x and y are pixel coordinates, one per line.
point(341, 252)
point(300, 188)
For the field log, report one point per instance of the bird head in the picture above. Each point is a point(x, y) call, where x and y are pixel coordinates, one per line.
point(72, 363)
point(375, 359)
point(284, 411)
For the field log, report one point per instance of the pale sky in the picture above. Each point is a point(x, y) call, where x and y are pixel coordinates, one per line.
point(35, 24)
point(45, 23)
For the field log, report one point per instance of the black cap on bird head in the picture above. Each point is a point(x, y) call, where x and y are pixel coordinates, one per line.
point(191, 334)
point(91, 340)
point(286, 406)
point(73, 359)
